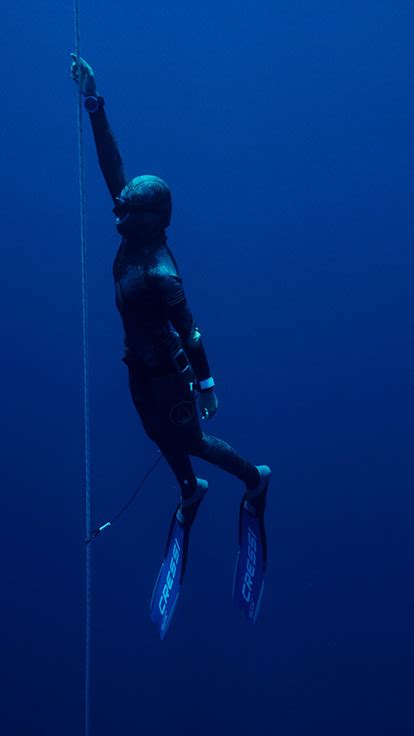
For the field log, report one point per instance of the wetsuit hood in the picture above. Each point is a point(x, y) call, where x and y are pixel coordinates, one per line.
point(149, 198)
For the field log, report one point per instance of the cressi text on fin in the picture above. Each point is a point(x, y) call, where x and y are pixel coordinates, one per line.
point(250, 567)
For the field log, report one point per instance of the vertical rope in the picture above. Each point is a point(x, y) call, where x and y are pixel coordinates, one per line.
point(85, 312)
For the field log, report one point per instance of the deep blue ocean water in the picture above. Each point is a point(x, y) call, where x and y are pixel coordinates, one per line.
point(285, 130)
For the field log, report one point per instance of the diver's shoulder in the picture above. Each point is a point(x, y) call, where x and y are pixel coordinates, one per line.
point(164, 278)
point(166, 267)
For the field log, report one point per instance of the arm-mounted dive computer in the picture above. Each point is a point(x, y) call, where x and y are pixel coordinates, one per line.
point(93, 104)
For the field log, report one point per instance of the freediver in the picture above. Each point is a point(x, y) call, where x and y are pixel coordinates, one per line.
point(164, 352)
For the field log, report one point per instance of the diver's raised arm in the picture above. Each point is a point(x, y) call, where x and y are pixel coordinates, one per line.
point(109, 157)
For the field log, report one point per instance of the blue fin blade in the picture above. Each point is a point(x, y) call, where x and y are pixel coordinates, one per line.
point(250, 567)
point(168, 584)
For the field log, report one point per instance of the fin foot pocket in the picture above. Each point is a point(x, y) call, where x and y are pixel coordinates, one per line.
point(255, 500)
point(187, 510)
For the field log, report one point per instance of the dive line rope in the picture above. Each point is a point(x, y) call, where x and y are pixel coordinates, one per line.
point(85, 353)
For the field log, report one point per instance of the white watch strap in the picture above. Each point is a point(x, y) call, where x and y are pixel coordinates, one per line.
point(207, 383)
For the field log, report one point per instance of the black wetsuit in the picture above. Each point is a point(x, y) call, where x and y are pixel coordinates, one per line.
point(163, 349)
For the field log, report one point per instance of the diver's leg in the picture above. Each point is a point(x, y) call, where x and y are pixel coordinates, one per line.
point(166, 408)
point(220, 453)
point(168, 411)
point(180, 464)
point(193, 489)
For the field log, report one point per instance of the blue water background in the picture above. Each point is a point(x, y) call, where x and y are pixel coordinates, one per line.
point(285, 130)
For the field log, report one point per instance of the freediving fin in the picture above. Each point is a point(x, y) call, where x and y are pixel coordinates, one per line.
point(170, 577)
point(168, 584)
point(249, 573)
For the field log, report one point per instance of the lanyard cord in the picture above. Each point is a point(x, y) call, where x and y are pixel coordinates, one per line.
point(94, 533)
point(85, 351)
